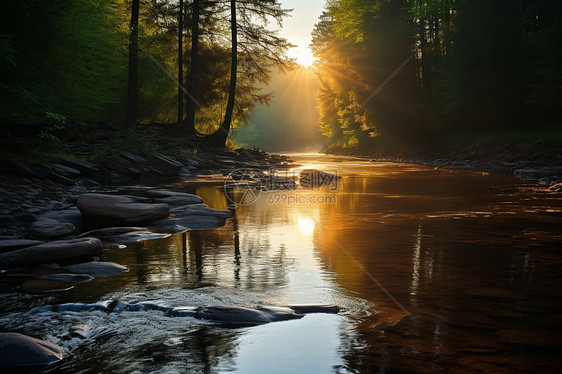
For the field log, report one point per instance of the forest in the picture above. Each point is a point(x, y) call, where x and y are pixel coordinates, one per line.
point(407, 73)
point(432, 72)
point(198, 65)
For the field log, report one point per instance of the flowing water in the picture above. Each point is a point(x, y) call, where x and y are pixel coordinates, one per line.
point(435, 270)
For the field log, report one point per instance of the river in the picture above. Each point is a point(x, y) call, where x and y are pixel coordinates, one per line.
point(435, 270)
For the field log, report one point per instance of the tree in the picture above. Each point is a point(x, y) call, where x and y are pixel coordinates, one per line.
point(261, 50)
point(180, 62)
point(132, 91)
point(193, 78)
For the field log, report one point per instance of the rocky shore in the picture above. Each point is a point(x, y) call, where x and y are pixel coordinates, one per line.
point(528, 160)
point(57, 217)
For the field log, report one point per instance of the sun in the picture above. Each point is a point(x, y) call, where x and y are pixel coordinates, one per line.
point(302, 55)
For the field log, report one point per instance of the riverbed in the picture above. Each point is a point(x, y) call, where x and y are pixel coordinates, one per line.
point(435, 269)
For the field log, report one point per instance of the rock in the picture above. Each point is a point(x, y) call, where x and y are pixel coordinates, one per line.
point(50, 229)
point(191, 222)
point(167, 193)
point(19, 352)
point(65, 171)
point(110, 209)
point(132, 158)
point(178, 200)
point(70, 215)
point(121, 166)
point(63, 277)
point(56, 251)
point(126, 234)
point(82, 166)
point(97, 269)
point(57, 178)
point(165, 164)
point(185, 172)
point(15, 244)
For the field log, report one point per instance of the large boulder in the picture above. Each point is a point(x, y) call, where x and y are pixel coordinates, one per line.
point(110, 210)
point(22, 353)
point(15, 244)
point(61, 250)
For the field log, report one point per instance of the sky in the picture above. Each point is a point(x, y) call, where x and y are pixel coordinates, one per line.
point(298, 28)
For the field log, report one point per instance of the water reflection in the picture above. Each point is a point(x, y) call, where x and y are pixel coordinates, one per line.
point(470, 256)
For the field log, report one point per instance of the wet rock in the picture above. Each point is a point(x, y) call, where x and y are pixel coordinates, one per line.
point(182, 224)
point(15, 244)
point(20, 220)
point(178, 200)
point(63, 277)
point(97, 269)
point(132, 157)
point(56, 251)
point(109, 209)
point(126, 234)
point(21, 352)
point(168, 166)
point(49, 229)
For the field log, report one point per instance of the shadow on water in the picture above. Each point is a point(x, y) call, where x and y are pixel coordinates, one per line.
point(471, 261)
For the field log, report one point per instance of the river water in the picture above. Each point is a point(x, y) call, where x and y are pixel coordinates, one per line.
point(435, 270)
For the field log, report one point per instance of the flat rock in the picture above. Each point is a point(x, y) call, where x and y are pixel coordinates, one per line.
point(177, 200)
point(82, 166)
point(15, 244)
point(191, 222)
point(18, 351)
point(165, 164)
point(110, 209)
point(61, 250)
point(97, 269)
point(50, 229)
point(121, 166)
point(122, 235)
point(70, 215)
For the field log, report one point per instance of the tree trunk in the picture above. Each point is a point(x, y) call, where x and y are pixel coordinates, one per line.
point(180, 63)
point(193, 71)
point(219, 137)
point(132, 91)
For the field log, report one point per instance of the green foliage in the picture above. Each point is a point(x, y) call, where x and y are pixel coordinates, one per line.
point(478, 67)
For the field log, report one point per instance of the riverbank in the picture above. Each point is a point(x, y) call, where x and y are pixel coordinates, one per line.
point(530, 159)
